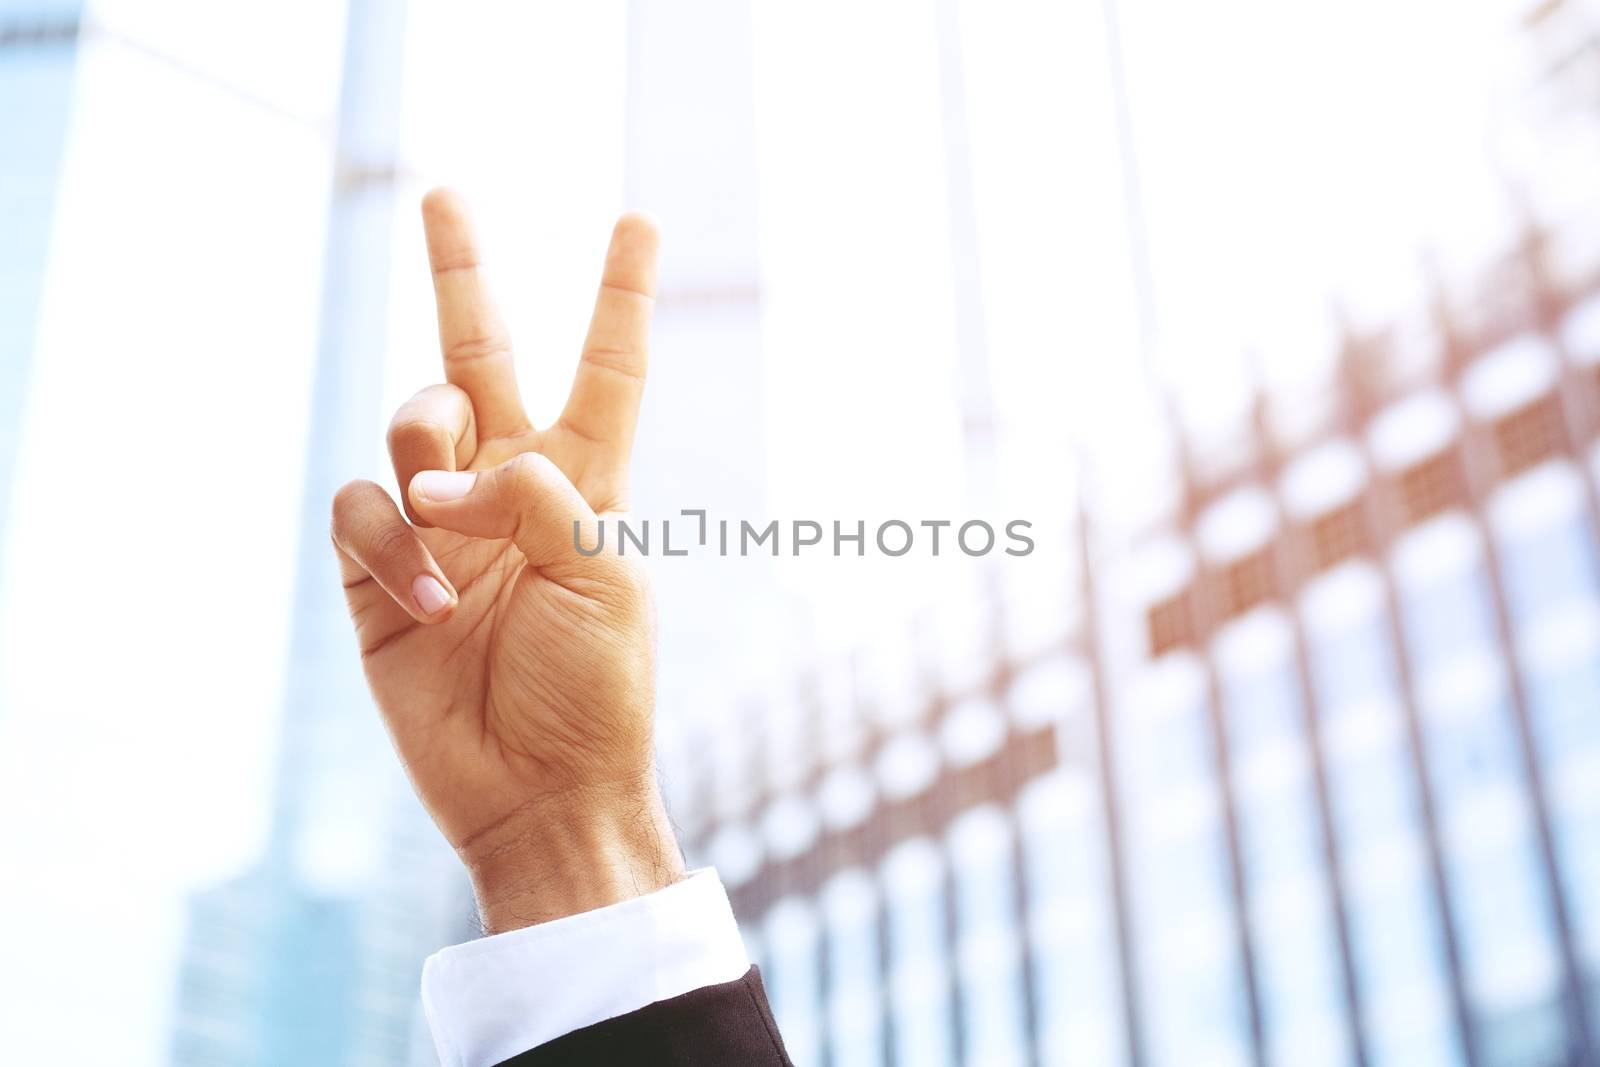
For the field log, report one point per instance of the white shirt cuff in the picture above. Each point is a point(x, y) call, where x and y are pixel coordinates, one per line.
point(491, 999)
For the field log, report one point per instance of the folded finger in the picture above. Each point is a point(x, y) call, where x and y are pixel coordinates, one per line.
point(526, 499)
point(375, 540)
point(434, 430)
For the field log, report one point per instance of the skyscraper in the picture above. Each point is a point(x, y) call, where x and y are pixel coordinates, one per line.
point(38, 53)
point(288, 964)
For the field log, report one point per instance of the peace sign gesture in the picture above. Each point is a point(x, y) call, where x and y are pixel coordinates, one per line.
point(516, 676)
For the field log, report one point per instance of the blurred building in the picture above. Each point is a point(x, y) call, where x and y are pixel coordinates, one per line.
point(1310, 776)
point(294, 962)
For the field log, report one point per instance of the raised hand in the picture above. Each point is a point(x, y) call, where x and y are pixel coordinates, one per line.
point(516, 676)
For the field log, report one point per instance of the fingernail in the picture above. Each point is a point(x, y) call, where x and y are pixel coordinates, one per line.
point(429, 594)
point(442, 486)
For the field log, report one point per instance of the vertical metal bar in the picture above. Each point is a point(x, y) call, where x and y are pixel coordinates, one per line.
point(952, 946)
point(1015, 777)
point(1291, 563)
point(1477, 464)
point(885, 970)
point(824, 973)
point(1292, 568)
point(927, 823)
point(1205, 628)
point(1387, 525)
point(1109, 795)
point(1021, 903)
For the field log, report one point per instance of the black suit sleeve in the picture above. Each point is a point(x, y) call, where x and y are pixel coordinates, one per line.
point(728, 1025)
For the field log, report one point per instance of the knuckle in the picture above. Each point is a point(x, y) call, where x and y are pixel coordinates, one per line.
point(522, 474)
point(475, 348)
point(409, 431)
point(390, 542)
point(346, 500)
point(446, 393)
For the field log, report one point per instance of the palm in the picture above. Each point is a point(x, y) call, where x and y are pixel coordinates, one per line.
point(500, 600)
point(485, 697)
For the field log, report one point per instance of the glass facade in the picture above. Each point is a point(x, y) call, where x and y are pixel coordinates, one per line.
point(1282, 849)
point(1190, 977)
point(1396, 946)
point(1345, 813)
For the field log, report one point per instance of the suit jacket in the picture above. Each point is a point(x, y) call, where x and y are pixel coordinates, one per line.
point(728, 1025)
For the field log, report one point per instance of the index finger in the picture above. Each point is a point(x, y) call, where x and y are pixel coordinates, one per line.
point(477, 349)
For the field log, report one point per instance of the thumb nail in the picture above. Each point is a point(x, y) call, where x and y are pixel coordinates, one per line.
point(442, 486)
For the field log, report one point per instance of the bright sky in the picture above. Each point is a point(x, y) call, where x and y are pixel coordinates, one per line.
point(1288, 152)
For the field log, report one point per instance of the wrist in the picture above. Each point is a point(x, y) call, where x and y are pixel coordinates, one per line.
point(574, 852)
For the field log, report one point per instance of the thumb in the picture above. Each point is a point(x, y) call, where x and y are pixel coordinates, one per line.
point(526, 499)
